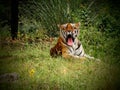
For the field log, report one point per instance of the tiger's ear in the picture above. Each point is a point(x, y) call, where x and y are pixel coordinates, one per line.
point(77, 25)
point(61, 26)
point(58, 25)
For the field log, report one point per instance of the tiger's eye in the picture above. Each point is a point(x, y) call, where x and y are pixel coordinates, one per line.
point(75, 31)
point(75, 28)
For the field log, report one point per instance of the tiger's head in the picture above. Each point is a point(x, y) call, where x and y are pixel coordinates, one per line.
point(69, 32)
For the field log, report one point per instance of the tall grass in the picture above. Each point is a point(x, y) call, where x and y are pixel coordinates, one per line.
point(53, 12)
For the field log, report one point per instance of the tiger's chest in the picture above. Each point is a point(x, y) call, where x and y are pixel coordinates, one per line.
point(75, 50)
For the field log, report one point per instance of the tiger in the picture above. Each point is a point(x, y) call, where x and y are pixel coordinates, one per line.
point(68, 44)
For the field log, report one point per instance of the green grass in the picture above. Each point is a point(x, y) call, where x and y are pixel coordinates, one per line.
point(38, 71)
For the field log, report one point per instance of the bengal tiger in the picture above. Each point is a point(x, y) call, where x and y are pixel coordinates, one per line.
point(68, 45)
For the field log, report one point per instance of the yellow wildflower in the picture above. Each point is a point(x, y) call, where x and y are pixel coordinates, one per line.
point(31, 72)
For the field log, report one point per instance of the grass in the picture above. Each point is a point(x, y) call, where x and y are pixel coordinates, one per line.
point(38, 71)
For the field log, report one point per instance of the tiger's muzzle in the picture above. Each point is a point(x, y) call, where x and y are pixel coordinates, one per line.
point(70, 39)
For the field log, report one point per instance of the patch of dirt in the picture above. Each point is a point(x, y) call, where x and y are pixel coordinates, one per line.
point(9, 77)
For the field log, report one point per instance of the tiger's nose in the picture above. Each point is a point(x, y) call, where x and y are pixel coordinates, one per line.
point(69, 32)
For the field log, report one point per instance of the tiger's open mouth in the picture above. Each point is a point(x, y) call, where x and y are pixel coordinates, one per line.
point(70, 40)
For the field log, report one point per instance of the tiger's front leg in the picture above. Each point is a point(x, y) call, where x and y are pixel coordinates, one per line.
point(67, 55)
point(54, 52)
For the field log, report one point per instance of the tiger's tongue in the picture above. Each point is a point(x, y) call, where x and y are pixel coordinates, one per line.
point(70, 41)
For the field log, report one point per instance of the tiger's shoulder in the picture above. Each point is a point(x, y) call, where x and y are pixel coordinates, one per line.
point(57, 49)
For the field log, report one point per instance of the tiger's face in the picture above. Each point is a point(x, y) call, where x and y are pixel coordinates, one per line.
point(69, 32)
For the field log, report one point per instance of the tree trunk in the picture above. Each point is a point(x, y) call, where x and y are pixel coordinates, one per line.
point(14, 19)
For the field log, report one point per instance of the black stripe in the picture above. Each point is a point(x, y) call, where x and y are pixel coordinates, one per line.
point(80, 53)
point(70, 50)
point(62, 33)
point(79, 44)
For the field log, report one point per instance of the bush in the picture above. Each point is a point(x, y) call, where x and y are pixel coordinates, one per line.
point(4, 31)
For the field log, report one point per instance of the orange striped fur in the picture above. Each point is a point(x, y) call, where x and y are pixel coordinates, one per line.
point(68, 45)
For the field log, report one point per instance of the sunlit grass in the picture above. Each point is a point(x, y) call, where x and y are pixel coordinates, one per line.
point(38, 71)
